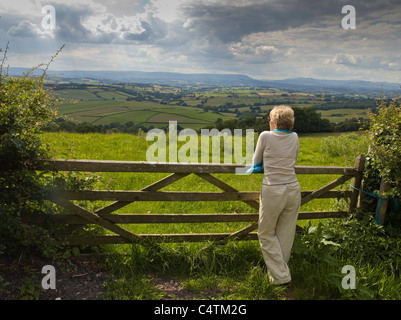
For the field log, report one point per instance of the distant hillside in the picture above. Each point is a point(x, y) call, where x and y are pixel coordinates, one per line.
point(166, 78)
point(345, 86)
point(181, 79)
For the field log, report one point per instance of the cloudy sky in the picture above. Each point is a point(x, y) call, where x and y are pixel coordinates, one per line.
point(265, 39)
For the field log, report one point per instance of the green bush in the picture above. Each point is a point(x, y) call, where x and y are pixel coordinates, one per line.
point(385, 131)
point(320, 253)
point(25, 107)
point(384, 161)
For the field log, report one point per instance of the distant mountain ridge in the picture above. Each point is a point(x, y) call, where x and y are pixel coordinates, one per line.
point(167, 78)
point(183, 79)
point(339, 83)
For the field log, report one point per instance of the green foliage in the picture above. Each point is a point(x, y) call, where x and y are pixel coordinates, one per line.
point(25, 107)
point(334, 243)
point(129, 286)
point(308, 120)
point(365, 240)
point(384, 160)
point(257, 286)
point(385, 130)
point(30, 288)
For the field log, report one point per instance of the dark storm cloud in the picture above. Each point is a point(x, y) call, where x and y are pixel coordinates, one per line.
point(229, 21)
point(69, 24)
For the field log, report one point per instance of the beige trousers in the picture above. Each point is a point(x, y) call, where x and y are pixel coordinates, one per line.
point(278, 214)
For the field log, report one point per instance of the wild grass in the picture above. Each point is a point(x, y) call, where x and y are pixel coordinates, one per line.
point(236, 270)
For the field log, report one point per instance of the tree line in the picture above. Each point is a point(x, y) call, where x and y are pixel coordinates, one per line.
point(307, 120)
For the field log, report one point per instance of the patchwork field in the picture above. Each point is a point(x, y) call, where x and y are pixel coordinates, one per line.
point(196, 107)
point(339, 115)
point(141, 113)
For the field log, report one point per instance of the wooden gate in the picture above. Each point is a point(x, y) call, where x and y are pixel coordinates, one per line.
point(78, 216)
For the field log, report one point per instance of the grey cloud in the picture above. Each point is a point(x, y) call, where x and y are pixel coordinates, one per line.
point(8, 21)
point(227, 29)
point(24, 29)
point(347, 59)
point(69, 24)
point(229, 21)
point(366, 62)
point(146, 34)
point(122, 7)
point(71, 28)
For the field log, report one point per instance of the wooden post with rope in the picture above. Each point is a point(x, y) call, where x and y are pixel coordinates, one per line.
point(384, 187)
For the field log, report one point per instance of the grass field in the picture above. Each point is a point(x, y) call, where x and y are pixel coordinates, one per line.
point(236, 270)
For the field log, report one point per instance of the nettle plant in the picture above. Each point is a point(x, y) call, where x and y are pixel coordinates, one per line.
point(25, 108)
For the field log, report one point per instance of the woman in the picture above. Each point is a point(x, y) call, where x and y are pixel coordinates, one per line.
point(280, 198)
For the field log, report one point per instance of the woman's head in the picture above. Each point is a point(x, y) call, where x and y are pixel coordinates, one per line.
point(282, 117)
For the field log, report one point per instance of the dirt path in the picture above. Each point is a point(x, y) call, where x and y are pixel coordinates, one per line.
point(77, 279)
point(21, 278)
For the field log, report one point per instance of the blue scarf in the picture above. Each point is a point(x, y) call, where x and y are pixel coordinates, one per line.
point(282, 130)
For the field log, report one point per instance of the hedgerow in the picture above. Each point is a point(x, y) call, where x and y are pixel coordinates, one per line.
point(25, 107)
point(383, 161)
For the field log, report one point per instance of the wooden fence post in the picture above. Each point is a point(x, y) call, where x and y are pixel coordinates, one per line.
point(356, 182)
point(384, 187)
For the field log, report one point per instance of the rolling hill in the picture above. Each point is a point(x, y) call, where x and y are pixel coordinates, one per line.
point(181, 79)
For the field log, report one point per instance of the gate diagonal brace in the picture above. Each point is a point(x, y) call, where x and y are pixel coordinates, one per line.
point(225, 187)
point(120, 204)
point(153, 187)
point(326, 188)
point(96, 219)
